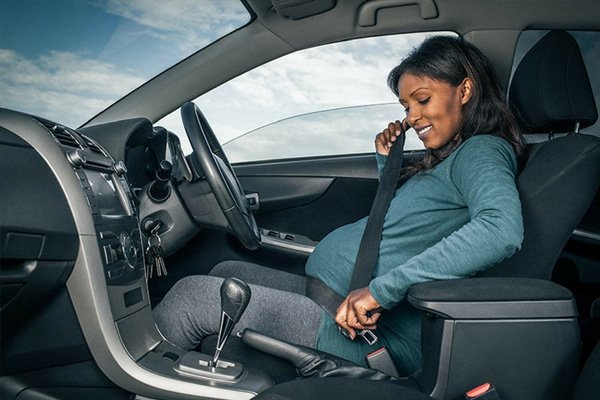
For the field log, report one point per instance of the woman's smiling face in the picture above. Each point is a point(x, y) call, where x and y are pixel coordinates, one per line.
point(433, 108)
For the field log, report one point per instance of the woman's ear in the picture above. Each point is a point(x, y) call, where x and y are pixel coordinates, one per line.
point(466, 90)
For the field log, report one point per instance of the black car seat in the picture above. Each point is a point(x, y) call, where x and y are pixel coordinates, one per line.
point(552, 93)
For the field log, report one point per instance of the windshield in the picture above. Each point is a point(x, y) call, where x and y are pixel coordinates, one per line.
point(67, 60)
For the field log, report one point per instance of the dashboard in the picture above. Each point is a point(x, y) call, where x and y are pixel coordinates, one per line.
point(76, 214)
point(39, 222)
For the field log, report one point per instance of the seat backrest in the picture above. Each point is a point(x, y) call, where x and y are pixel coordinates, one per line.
point(551, 92)
point(588, 383)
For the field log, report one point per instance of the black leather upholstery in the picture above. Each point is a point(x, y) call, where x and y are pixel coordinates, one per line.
point(235, 296)
point(310, 362)
point(340, 388)
point(588, 386)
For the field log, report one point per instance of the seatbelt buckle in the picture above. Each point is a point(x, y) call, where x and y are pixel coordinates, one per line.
point(366, 334)
point(486, 391)
point(381, 360)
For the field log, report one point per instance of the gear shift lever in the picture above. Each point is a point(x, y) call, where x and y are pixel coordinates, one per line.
point(235, 295)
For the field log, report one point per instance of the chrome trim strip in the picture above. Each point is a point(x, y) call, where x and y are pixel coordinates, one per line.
point(303, 248)
point(587, 234)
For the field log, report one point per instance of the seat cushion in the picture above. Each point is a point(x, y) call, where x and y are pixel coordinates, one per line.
point(588, 384)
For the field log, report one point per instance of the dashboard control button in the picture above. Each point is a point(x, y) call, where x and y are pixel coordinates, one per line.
point(120, 168)
point(107, 235)
point(108, 254)
point(128, 250)
point(76, 157)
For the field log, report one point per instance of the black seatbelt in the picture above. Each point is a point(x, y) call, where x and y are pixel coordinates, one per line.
point(368, 250)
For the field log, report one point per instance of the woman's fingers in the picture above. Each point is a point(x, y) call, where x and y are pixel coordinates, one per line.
point(369, 319)
point(352, 319)
point(405, 124)
point(386, 138)
point(360, 310)
point(341, 318)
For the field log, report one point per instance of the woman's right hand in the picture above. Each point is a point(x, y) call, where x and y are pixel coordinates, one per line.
point(386, 138)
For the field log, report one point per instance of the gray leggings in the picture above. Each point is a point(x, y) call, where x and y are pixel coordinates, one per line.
point(190, 311)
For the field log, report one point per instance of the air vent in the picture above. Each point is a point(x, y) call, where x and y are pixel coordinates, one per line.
point(66, 138)
point(94, 148)
point(62, 135)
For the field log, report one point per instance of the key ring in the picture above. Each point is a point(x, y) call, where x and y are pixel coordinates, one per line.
point(157, 241)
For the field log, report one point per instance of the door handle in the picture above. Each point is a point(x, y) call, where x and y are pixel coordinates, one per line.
point(253, 200)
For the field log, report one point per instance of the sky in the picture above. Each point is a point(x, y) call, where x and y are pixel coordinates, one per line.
point(67, 60)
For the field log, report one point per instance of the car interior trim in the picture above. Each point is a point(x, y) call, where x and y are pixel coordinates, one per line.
point(587, 234)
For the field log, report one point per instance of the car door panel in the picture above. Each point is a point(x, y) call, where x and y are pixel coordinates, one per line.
point(351, 182)
point(281, 192)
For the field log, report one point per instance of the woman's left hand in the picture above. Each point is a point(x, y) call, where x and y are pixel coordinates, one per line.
point(359, 310)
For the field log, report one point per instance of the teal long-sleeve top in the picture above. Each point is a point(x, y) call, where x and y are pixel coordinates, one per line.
point(454, 220)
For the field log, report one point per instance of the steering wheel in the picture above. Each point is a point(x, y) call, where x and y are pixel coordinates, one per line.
point(220, 176)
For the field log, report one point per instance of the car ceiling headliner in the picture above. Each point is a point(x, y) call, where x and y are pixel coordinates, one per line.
point(494, 25)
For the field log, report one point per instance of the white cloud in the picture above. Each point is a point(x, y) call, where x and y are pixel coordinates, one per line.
point(182, 23)
point(332, 76)
point(60, 85)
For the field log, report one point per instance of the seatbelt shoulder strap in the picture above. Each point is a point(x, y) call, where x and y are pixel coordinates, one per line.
point(368, 251)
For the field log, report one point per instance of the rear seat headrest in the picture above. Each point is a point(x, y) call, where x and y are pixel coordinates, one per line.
point(551, 90)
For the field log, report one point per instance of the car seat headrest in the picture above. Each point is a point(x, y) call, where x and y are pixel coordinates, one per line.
point(551, 90)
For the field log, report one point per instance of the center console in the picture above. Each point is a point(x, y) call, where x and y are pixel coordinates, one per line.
point(113, 210)
point(117, 258)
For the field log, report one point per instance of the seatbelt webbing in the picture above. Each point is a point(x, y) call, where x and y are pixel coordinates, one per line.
point(368, 250)
point(327, 298)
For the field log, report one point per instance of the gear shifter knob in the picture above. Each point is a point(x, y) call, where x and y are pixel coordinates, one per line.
point(235, 295)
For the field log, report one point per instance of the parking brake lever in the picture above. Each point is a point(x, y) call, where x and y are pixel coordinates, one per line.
point(235, 296)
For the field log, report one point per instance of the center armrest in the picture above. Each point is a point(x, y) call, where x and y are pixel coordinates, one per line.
point(493, 298)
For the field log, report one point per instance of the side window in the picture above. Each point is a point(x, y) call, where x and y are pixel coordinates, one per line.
point(589, 43)
point(327, 100)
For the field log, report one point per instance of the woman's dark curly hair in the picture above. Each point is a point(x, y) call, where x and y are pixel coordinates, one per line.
point(451, 60)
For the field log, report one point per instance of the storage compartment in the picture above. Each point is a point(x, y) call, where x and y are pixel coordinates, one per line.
point(519, 334)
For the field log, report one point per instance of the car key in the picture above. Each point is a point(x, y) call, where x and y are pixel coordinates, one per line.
point(154, 253)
